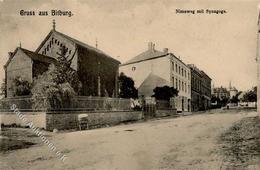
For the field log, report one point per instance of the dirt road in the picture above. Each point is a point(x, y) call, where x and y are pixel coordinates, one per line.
point(188, 142)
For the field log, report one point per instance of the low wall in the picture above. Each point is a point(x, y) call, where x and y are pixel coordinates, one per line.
point(69, 120)
point(163, 113)
point(10, 118)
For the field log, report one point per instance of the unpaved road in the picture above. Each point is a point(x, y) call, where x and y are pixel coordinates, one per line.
point(189, 142)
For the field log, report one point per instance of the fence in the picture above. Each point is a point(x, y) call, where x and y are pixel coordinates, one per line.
point(78, 103)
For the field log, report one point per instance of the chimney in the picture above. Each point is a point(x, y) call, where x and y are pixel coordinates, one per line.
point(10, 54)
point(151, 46)
point(165, 50)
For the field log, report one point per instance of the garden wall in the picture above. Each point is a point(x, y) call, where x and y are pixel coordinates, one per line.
point(69, 119)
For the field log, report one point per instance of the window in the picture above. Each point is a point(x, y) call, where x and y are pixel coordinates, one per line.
point(182, 86)
point(176, 83)
point(182, 71)
point(185, 86)
point(55, 41)
point(173, 81)
point(133, 68)
point(172, 65)
point(176, 68)
point(69, 51)
point(179, 84)
point(185, 73)
point(47, 47)
point(179, 70)
point(58, 43)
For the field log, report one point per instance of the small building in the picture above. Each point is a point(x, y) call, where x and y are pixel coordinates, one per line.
point(154, 68)
point(26, 65)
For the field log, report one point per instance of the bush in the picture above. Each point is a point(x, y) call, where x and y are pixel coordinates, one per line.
point(21, 87)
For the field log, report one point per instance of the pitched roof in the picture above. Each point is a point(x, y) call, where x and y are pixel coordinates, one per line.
point(33, 55)
point(77, 42)
point(38, 57)
point(147, 55)
point(152, 81)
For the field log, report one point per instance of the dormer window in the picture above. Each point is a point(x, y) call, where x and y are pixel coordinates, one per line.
point(133, 68)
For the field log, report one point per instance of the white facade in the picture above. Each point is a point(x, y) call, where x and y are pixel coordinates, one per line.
point(168, 69)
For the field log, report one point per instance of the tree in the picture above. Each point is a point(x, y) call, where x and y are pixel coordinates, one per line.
point(251, 95)
point(127, 87)
point(164, 93)
point(48, 93)
point(3, 89)
point(64, 72)
point(21, 87)
point(56, 87)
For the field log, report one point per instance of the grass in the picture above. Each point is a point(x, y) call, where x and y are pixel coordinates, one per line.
point(240, 145)
point(17, 138)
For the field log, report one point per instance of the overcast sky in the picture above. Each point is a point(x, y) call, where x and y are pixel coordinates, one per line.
point(223, 45)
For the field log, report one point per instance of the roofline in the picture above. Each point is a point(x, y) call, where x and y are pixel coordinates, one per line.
point(76, 44)
point(144, 60)
point(11, 57)
point(44, 40)
point(178, 59)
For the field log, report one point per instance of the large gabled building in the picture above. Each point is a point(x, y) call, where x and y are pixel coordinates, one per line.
point(153, 68)
point(97, 71)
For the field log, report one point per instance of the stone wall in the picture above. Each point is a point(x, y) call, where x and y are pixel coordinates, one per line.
point(69, 120)
point(10, 118)
point(164, 113)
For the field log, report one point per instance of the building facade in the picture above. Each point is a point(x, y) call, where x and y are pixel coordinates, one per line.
point(221, 92)
point(154, 68)
point(205, 91)
point(196, 79)
point(200, 89)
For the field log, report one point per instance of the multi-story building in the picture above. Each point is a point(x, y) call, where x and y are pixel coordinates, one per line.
point(196, 79)
point(205, 91)
point(200, 89)
point(154, 68)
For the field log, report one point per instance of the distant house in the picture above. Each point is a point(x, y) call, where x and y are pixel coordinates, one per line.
point(97, 71)
point(221, 92)
point(154, 68)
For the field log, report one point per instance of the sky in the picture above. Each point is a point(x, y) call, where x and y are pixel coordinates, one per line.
point(222, 45)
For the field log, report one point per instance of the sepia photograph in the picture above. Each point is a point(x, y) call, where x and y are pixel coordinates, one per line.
point(129, 85)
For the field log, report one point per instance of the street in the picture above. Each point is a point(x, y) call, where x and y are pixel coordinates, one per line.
point(188, 142)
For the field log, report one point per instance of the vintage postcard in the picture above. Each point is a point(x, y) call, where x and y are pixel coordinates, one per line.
point(129, 84)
